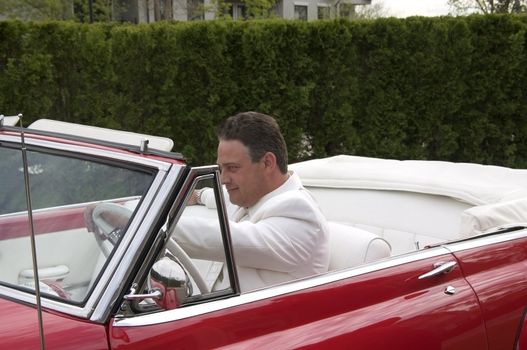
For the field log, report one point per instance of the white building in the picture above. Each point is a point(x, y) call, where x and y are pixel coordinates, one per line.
point(146, 11)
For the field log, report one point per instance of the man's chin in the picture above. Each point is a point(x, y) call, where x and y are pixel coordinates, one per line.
point(234, 198)
point(235, 202)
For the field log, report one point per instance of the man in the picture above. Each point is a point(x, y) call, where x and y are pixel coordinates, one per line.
point(278, 231)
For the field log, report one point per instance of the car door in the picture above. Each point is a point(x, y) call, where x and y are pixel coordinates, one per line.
point(415, 301)
point(381, 306)
point(495, 266)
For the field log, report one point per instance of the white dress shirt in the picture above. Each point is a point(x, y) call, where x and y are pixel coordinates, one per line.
point(284, 236)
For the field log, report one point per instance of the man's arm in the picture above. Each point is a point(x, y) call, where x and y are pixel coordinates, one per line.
point(282, 239)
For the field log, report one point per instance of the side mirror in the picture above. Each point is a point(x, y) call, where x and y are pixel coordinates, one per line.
point(170, 279)
point(170, 285)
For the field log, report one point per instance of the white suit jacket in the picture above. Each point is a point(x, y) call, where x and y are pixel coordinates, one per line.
point(284, 236)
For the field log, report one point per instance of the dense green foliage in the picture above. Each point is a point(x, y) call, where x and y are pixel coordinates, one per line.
point(422, 88)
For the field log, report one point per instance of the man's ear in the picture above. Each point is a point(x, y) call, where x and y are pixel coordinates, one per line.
point(269, 160)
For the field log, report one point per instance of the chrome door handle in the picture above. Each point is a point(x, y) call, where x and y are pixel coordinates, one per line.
point(440, 269)
point(152, 294)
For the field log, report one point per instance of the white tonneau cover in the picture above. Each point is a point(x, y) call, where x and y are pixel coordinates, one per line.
point(472, 183)
point(103, 134)
point(497, 196)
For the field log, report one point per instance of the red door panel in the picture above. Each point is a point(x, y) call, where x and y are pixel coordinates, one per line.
point(19, 330)
point(498, 274)
point(522, 334)
point(390, 308)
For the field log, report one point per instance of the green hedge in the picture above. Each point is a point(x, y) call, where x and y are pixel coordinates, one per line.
point(421, 88)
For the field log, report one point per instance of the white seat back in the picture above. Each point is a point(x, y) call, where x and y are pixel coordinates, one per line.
point(407, 220)
point(351, 246)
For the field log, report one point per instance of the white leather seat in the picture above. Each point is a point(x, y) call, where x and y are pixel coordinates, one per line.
point(405, 219)
point(413, 203)
point(351, 246)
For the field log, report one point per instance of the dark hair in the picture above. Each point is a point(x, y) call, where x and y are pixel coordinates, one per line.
point(259, 132)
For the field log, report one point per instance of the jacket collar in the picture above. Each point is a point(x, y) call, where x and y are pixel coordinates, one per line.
point(292, 183)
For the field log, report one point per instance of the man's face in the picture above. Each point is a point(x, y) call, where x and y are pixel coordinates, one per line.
point(244, 180)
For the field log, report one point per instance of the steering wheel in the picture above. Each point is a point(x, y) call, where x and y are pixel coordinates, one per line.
point(109, 220)
point(174, 248)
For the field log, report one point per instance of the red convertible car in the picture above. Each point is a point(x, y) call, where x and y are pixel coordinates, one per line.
point(424, 254)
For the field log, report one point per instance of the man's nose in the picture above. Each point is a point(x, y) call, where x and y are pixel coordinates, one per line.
point(224, 178)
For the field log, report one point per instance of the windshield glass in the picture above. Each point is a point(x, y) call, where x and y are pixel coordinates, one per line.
point(81, 210)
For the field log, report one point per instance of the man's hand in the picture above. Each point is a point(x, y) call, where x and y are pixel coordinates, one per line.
point(195, 197)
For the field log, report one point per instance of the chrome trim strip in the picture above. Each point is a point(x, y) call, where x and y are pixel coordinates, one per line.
point(300, 285)
point(483, 240)
point(128, 250)
point(112, 155)
point(226, 234)
point(29, 298)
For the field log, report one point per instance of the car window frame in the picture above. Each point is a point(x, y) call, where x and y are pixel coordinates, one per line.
point(188, 183)
point(109, 156)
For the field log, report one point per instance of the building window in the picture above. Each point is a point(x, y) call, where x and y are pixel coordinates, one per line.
point(323, 12)
point(301, 12)
point(163, 10)
point(195, 10)
point(239, 11)
point(346, 10)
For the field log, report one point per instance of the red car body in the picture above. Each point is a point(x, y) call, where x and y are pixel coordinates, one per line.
point(478, 303)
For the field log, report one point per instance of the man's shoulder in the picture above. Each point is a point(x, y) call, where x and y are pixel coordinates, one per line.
point(299, 198)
